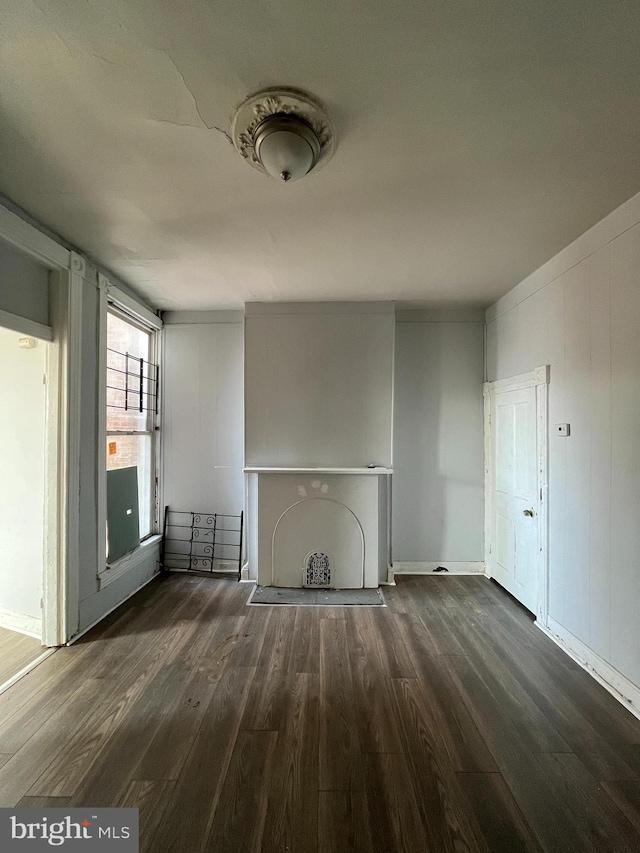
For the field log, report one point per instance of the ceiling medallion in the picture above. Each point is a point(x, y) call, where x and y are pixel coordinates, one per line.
point(284, 133)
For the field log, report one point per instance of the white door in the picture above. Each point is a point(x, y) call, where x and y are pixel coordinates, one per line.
point(514, 546)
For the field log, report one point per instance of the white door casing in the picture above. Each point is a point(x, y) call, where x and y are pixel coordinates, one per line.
point(516, 487)
point(62, 439)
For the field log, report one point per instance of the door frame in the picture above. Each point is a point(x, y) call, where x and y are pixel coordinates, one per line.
point(538, 378)
point(61, 569)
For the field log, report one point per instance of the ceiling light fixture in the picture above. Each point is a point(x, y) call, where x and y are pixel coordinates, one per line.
point(284, 133)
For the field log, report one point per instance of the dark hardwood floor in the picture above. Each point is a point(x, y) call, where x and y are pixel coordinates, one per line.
point(445, 723)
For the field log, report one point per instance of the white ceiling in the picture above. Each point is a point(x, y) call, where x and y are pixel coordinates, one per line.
point(476, 139)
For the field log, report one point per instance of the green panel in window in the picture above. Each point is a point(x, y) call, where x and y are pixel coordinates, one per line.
point(123, 527)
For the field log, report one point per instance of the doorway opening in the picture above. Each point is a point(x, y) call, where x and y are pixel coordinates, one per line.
point(23, 461)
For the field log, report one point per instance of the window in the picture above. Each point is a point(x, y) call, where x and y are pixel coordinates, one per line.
point(132, 417)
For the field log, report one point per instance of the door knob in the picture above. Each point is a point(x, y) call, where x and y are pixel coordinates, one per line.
point(529, 513)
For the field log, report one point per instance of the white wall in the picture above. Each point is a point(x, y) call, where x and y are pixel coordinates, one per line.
point(438, 437)
point(319, 384)
point(24, 285)
point(203, 412)
point(22, 434)
point(580, 313)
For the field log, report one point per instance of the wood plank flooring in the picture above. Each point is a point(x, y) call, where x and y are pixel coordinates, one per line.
point(16, 651)
point(444, 723)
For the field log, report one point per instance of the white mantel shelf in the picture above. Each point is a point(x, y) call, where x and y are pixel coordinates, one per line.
point(318, 471)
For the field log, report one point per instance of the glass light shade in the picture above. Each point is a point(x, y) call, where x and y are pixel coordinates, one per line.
point(287, 147)
point(284, 153)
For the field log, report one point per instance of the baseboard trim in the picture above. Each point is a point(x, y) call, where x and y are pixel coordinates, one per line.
point(27, 669)
point(29, 625)
point(625, 691)
point(233, 573)
point(426, 568)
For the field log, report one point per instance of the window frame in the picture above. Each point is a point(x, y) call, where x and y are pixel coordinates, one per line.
point(152, 418)
point(112, 299)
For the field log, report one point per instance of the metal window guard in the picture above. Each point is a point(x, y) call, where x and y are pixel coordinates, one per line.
point(190, 540)
point(144, 401)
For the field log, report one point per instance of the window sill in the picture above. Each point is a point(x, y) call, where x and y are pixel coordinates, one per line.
point(113, 571)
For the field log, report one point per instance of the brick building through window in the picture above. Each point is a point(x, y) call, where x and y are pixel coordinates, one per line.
point(131, 403)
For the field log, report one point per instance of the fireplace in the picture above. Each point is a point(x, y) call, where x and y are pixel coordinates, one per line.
point(317, 527)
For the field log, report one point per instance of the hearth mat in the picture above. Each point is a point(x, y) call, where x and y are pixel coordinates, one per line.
point(317, 597)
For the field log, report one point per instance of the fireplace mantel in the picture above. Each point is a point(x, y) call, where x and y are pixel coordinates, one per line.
point(263, 470)
point(337, 513)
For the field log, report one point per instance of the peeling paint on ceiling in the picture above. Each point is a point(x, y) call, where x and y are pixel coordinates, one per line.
point(475, 140)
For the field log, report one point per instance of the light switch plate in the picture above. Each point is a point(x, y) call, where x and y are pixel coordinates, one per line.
point(563, 429)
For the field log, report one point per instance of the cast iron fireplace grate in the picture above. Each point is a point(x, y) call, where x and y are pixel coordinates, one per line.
point(317, 570)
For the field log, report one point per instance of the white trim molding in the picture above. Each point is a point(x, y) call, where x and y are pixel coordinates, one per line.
point(54, 572)
point(538, 379)
point(113, 571)
point(539, 376)
point(427, 568)
point(101, 502)
point(127, 303)
point(25, 327)
point(61, 578)
point(32, 242)
point(72, 397)
point(624, 690)
point(20, 622)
